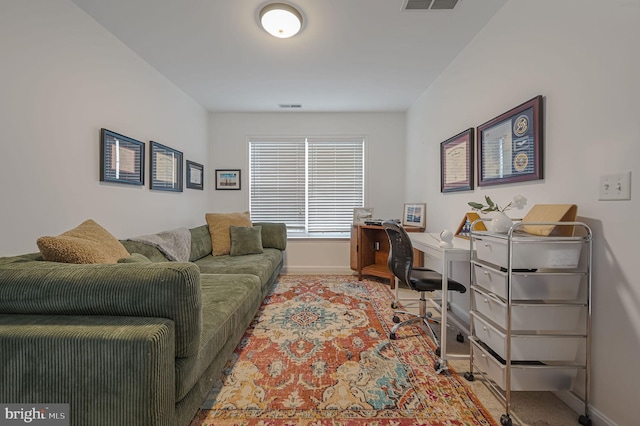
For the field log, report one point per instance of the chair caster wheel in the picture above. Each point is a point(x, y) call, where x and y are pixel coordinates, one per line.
point(460, 337)
point(394, 305)
point(469, 376)
point(505, 420)
point(392, 336)
point(396, 319)
point(438, 351)
point(584, 420)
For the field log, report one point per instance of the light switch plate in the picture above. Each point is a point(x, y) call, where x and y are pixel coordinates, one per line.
point(615, 187)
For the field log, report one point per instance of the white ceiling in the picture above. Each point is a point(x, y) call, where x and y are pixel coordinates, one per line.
point(351, 55)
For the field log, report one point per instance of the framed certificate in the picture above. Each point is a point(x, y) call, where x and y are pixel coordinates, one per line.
point(121, 158)
point(456, 162)
point(166, 168)
point(510, 145)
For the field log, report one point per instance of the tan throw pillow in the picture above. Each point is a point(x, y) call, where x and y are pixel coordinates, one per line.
point(87, 243)
point(219, 224)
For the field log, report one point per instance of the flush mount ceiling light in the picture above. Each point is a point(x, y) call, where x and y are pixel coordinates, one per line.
point(281, 20)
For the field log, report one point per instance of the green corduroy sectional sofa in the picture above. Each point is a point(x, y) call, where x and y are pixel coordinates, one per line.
point(135, 343)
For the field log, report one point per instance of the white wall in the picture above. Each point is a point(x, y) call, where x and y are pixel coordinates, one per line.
point(385, 136)
point(63, 77)
point(583, 57)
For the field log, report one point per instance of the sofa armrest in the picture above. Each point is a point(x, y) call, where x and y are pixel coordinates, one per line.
point(161, 290)
point(274, 235)
point(110, 370)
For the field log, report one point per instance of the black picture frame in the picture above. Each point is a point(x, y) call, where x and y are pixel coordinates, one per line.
point(166, 168)
point(228, 179)
point(195, 175)
point(456, 162)
point(509, 147)
point(121, 158)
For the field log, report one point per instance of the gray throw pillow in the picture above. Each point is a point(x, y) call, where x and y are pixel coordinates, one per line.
point(245, 240)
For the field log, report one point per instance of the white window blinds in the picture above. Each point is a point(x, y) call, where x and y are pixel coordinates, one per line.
point(311, 184)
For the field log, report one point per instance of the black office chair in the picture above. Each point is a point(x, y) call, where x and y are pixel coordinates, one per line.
point(421, 280)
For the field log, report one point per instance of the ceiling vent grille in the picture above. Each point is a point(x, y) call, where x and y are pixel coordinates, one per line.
point(290, 105)
point(428, 4)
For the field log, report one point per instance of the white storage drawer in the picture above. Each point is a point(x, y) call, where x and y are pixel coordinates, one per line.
point(524, 377)
point(529, 347)
point(531, 317)
point(559, 286)
point(529, 254)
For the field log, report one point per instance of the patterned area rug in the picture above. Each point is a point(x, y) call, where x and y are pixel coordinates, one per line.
point(318, 354)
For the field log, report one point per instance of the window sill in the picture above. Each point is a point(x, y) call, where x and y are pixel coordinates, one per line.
point(298, 236)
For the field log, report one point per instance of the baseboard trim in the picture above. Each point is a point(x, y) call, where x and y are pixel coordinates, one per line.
point(311, 270)
point(577, 405)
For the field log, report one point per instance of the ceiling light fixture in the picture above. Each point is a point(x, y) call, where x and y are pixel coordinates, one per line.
point(281, 20)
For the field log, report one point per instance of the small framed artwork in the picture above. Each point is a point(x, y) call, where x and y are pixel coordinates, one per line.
point(456, 162)
point(415, 215)
point(509, 146)
point(195, 175)
point(121, 159)
point(166, 168)
point(360, 214)
point(228, 179)
point(464, 229)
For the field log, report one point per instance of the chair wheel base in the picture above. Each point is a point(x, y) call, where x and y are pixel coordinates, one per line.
point(392, 336)
point(396, 319)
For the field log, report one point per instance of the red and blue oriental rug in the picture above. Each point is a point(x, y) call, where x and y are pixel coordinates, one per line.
point(318, 354)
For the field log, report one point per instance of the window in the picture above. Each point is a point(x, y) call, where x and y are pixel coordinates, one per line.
point(311, 184)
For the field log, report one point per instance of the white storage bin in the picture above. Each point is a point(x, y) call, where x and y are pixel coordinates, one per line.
point(530, 317)
point(524, 377)
point(529, 254)
point(529, 347)
point(559, 286)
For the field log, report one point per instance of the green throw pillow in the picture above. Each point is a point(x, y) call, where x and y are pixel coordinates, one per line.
point(245, 240)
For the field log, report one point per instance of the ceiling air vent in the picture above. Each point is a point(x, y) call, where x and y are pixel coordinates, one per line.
point(290, 105)
point(428, 4)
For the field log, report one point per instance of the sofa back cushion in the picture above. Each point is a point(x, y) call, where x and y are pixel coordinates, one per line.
point(200, 242)
point(274, 234)
point(149, 251)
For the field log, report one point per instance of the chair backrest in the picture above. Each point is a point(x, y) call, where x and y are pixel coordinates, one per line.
point(401, 253)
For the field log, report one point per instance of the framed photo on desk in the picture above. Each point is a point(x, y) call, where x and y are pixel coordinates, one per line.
point(415, 215)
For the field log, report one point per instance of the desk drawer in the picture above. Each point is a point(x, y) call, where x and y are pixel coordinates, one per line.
point(529, 347)
point(524, 377)
point(558, 286)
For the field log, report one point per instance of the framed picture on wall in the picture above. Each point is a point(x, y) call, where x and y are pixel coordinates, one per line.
point(228, 179)
point(166, 168)
point(121, 159)
point(360, 214)
point(456, 162)
point(509, 146)
point(195, 175)
point(415, 215)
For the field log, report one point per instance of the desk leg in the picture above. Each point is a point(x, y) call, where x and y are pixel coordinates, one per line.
point(443, 314)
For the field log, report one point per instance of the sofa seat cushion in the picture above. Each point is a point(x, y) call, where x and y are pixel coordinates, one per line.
point(261, 265)
point(229, 303)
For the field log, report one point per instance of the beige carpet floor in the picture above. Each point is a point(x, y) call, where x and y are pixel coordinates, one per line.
point(527, 408)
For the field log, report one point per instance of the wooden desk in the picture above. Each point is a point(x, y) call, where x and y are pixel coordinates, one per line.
point(370, 251)
point(429, 244)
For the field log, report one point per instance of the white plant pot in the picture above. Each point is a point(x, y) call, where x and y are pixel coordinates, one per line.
point(501, 223)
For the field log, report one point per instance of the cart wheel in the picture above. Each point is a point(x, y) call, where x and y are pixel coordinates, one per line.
point(584, 420)
point(469, 376)
point(438, 351)
point(394, 305)
point(460, 337)
point(505, 420)
point(396, 319)
point(439, 367)
point(392, 336)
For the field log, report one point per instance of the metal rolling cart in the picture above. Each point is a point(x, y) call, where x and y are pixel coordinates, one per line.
point(530, 322)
